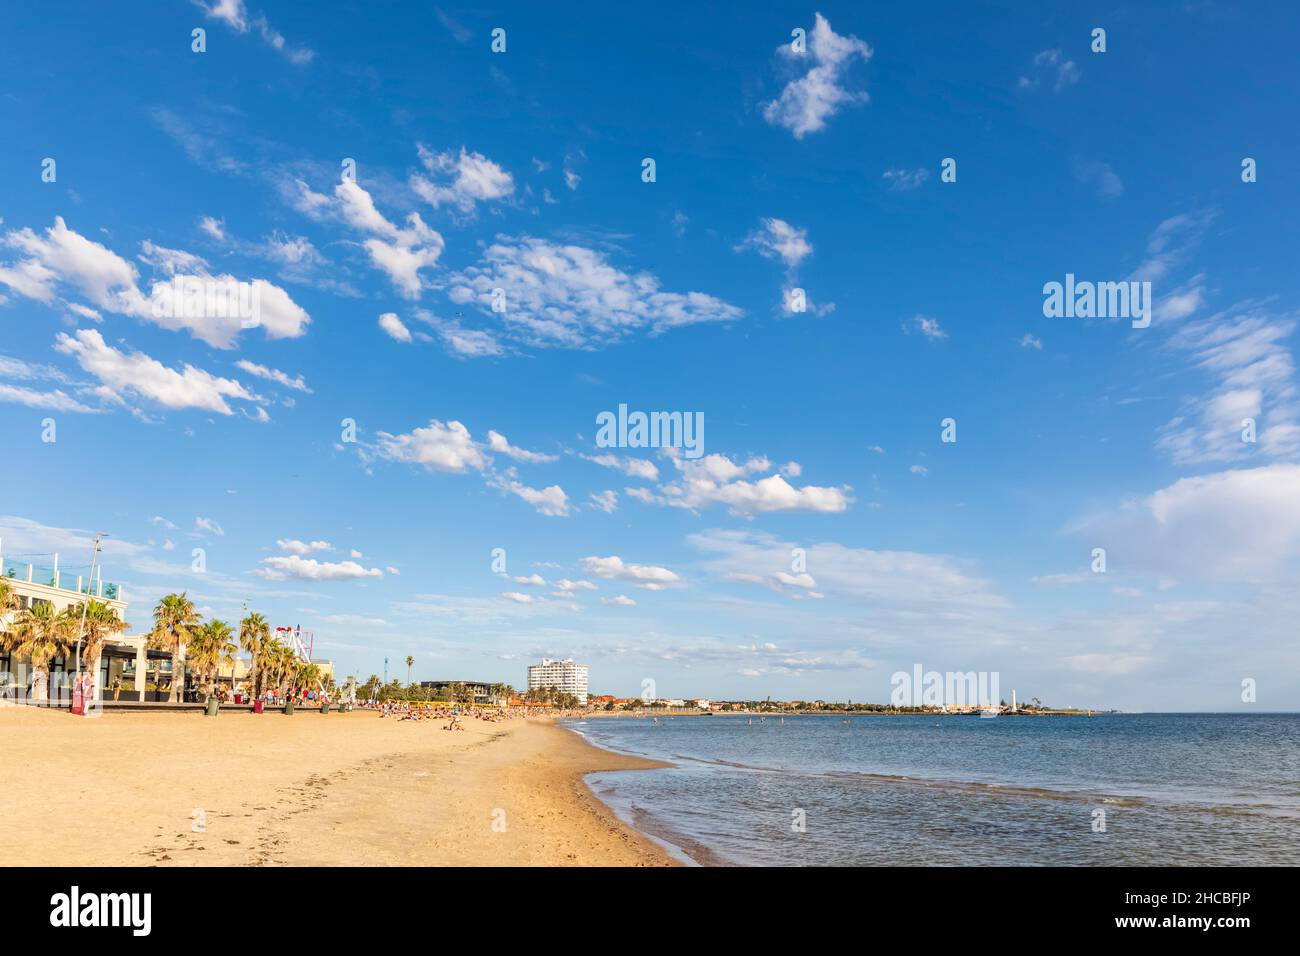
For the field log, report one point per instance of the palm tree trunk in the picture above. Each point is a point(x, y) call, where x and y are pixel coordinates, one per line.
point(41, 682)
point(178, 678)
point(92, 664)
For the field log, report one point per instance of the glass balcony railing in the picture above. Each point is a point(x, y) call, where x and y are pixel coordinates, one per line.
point(63, 580)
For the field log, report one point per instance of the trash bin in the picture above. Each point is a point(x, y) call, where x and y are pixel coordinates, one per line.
point(325, 707)
point(211, 709)
point(288, 706)
point(239, 698)
point(257, 706)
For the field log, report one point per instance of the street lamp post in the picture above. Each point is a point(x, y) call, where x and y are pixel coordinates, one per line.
point(81, 628)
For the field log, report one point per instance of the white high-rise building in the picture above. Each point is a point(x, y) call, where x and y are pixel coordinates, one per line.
point(569, 677)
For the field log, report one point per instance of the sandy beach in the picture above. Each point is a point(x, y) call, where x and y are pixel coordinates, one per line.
point(180, 789)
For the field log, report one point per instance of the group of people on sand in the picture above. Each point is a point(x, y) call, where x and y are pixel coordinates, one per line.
point(407, 710)
point(423, 710)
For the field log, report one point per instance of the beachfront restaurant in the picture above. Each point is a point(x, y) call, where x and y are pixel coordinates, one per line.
point(126, 658)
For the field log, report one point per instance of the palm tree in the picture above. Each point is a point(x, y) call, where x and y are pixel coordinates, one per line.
point(39, 635)
point(269, 664)
point(409, 661)
point(255, 637)
point(285, 663)
point(8, 596)
point(174, 622)
point(8, 602)
point(211, 647)
point(309, 677)
point(101, 622)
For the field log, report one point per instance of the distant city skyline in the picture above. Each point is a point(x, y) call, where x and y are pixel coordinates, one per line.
point(347, 319)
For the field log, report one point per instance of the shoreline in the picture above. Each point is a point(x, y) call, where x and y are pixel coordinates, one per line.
point(308, 790)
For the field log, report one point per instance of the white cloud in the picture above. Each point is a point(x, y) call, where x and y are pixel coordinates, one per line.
point(570, 296)
point(534, 580)
point(777, 239)
point(621, 600)
point(124, 374)
point(1232, 526)
point(715, 479)
point(398, 252)
point(565, 584)
point(235, 15)
point(294, 546)
point(462, 342)
point(309, 569)
point(451, 448)
point(65, 256)
point(210, 526)
point(498, 443)
point(928, 327)
point(214, 228)
point(633, 467)
point(520, 598)
point(233, 12)
point(919, 470)
point(1066, 72)
point(904, 180)
point(550, 501)
point(297, 383)
point(473, 178)
point(808, 102)
point(394, 328)
point(887, 579)
point(1244, 351)
point(209, 307)
point(1099, 175)
point(800, 585)
point(171, 261)
point(54, 401)
point(436, 446)
point(1028, 341)
point(613, 568)
point(1170, 244)
point(1182, 301)
point(606, 501)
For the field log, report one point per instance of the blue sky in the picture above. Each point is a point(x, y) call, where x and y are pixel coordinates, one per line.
point(475, 430)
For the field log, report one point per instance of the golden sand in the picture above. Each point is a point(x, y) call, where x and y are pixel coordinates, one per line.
point(181, 789)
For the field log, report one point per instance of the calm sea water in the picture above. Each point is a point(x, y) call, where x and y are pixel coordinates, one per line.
point(1181, 789)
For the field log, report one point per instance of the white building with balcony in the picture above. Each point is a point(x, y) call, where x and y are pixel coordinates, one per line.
point(565, 676)
point(124, 658)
